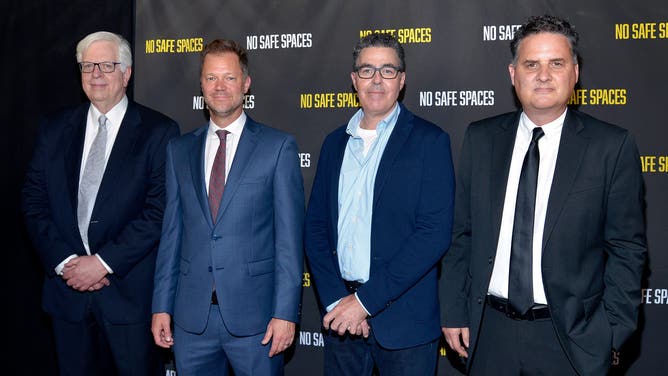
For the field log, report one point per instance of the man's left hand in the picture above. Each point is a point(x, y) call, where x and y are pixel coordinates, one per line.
point(347, 316)
point(281, 333)
point(83, 272)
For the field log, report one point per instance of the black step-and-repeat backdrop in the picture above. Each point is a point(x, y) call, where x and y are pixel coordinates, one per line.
point(457, 56)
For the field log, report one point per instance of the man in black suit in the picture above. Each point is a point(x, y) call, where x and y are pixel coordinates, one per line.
point(93, 202)
point(543, 276)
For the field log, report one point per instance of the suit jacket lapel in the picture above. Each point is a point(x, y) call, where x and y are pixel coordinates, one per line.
point(572, 147)
point(397, 139)
point(73, 137)
point(339, 150)
point(503, 143)
point(197, 158)
point(247, 143)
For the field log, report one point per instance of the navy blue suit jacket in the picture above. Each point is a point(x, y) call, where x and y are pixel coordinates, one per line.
point(253, 253)
point(126, 220)
point(410, 230)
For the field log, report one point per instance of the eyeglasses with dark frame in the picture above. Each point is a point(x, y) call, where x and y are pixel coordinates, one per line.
point(386, 71)
point(103, 66)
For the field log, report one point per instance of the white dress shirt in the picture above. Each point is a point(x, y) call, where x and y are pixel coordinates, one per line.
point(548, 146)
point(213, 141)
point(114, 119)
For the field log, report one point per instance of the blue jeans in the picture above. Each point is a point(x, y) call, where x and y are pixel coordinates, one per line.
point(357, 356)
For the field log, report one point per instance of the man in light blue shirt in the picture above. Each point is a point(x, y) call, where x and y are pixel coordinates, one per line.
point(358, 175)
point(378, 222)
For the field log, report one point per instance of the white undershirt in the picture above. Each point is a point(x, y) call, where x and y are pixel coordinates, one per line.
point(368, 136)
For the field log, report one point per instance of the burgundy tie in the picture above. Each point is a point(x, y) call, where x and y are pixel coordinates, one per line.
point(217, 179)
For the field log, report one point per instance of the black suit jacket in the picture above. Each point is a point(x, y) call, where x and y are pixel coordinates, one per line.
point(126, 220)
point(594, 244)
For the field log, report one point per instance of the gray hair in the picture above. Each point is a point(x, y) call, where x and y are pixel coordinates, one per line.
point(124, 51)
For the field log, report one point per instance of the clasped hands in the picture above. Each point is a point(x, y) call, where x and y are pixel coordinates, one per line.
point(85, 273)
point(348, 316)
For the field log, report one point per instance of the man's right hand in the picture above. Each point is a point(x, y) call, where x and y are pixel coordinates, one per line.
point(457, 339)
point(161, 329)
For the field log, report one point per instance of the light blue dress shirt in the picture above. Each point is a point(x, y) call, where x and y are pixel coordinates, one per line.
point(356, 183)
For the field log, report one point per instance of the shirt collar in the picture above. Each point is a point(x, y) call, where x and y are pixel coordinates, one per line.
point(234, 128)
point(550, 128)
point(115, 115)
point(390, 119)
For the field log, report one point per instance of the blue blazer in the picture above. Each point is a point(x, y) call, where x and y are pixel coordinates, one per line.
point(410, 230)
point(253, 254)
point(126, 220)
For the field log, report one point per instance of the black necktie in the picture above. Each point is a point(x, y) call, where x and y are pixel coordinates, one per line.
point(520, 283)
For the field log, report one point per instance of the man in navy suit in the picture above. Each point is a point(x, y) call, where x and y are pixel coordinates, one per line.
point(93, 207)
point(575, 297)
point(230, 263)
point(378, 222)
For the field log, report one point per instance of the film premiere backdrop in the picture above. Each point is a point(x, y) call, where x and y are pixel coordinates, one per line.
point(457, 55)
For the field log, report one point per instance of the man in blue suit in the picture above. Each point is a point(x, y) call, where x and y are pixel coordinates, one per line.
point(229, 267)
point(378, 222)
point(93, 202)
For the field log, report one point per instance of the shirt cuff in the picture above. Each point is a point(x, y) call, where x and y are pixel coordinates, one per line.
point(109, 270)
point(59, 268)
point(362, 304)
point(331, 306)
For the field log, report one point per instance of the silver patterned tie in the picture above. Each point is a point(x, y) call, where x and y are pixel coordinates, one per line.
point(91, 178)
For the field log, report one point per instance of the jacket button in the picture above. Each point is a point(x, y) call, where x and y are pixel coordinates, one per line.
point(479, 300)
point(491, 259)
point(210, 269)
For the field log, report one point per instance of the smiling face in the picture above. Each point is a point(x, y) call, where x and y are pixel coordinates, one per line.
point(104, 90)
point(223, 86)
point(544, 75)
point(377, 95)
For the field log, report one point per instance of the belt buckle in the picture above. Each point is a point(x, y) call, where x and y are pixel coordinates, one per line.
point(533, 313)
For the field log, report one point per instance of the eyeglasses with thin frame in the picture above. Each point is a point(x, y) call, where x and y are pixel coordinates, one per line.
point(103, 66)
point(386, 71)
